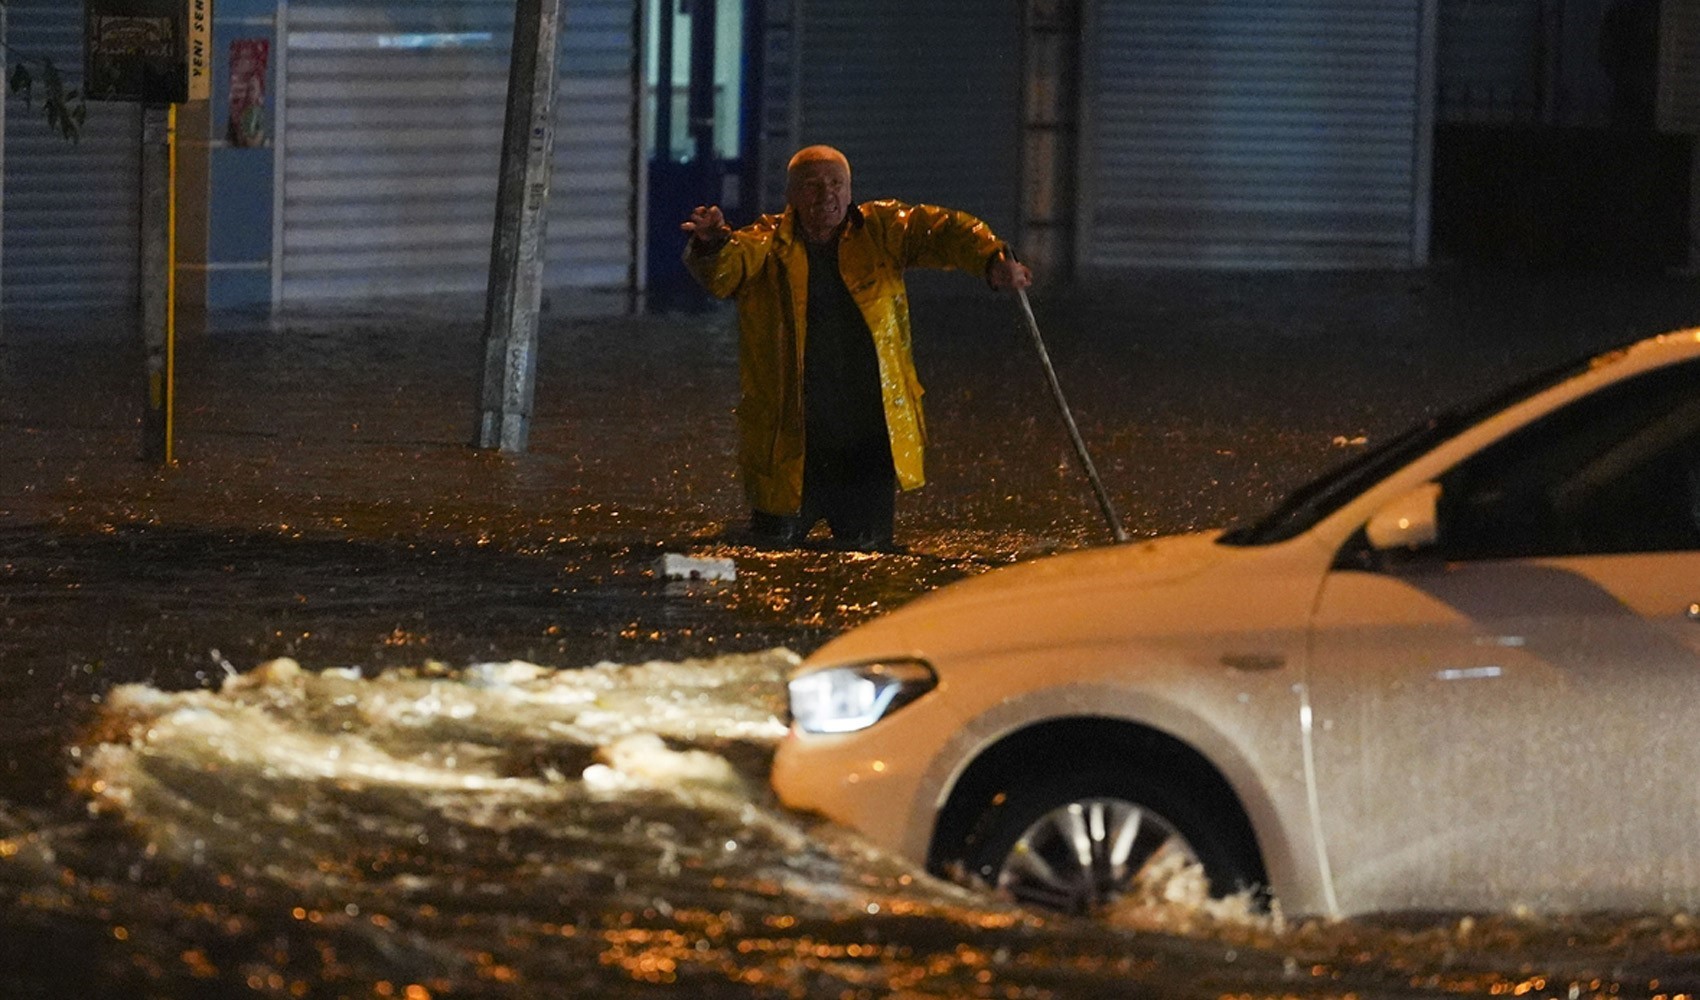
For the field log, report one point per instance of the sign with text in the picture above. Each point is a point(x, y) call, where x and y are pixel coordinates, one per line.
point(200, 50)
point(154, 51)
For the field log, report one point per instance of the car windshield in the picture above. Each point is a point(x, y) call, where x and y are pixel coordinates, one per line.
point(1322, 496)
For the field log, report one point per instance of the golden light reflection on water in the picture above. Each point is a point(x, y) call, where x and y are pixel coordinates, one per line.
point(662, 956)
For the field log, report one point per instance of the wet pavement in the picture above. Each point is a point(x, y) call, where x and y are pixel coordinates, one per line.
point(325, 499)
point(326, 506)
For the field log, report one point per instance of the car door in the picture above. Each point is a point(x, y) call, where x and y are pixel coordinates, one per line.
point(1507, 718)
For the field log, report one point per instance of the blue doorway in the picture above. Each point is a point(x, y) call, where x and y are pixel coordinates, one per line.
point(699, 84)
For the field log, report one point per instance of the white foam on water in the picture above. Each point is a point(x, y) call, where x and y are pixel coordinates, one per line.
point(437, 729)
point(1172, 895)
point(289, 743)
point(644, 761)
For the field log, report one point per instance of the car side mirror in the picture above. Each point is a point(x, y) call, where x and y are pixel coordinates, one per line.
point(1408, 522)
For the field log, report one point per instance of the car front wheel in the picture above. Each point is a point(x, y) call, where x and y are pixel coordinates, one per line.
point(1081, 847)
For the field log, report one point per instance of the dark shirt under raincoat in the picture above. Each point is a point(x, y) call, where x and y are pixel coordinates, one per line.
point(765, 267)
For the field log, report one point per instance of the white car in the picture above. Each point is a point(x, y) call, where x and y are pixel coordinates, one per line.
point(1462, 672)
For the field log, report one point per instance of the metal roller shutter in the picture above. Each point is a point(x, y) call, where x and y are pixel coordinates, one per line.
point(1254, 134)
point(593, 224)
point(923, 98)
point(73, 210)
point(392, 142)
point(776, 132)
point(1490, 61)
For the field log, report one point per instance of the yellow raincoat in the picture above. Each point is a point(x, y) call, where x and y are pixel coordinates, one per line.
point(765, 266)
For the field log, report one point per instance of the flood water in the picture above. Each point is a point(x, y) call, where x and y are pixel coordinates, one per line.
point(340, 707)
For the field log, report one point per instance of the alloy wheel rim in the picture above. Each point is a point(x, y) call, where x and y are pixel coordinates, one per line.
point(1085, 854)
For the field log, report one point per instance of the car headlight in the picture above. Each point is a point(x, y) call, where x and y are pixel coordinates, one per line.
point(843, 699)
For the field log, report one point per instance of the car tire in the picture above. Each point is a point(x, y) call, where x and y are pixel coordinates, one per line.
point(1082, 844)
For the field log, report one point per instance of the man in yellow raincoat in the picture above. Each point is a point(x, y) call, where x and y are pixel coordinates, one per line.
point(830, 419)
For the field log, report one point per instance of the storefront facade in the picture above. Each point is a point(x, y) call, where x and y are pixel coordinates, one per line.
point(349, 152)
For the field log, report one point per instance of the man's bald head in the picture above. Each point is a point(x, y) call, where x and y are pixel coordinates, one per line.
point(818, 154)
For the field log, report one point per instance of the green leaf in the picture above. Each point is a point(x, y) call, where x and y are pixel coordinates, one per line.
point(64, 108)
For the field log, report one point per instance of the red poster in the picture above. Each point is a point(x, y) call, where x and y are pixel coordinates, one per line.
point(247, 125)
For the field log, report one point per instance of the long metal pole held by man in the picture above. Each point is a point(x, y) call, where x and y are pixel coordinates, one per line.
point(1120, 534)
point(516, 254)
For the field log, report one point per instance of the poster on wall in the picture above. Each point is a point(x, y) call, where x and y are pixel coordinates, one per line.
point(247, 122)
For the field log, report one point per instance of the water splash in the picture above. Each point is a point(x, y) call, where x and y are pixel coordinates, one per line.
point(506, 828)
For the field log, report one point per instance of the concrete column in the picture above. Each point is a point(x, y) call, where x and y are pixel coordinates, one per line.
point(192, 184)
point(516, 255)
point(1051, 137)
point(5, 74)
point(156, 279)
point(1694, 205)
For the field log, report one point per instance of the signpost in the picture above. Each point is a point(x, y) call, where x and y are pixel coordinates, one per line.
point(155, 53)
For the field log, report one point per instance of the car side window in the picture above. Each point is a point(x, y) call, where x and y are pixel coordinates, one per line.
point(1617, 471)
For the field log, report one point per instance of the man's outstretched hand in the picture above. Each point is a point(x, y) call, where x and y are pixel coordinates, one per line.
point(1005, 273)
point(707, 226)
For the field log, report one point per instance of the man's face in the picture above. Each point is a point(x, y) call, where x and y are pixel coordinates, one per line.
point(820, 193)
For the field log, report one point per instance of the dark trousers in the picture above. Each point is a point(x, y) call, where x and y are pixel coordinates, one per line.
point(853, 488)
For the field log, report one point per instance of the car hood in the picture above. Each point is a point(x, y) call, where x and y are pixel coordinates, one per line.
point(1095, 595)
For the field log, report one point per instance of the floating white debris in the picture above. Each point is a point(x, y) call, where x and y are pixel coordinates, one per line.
point(502, 675)
point(674, 566)
point(642, 759)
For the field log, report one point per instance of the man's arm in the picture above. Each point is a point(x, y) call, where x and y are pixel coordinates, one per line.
point(717, 257)
point(932, 236)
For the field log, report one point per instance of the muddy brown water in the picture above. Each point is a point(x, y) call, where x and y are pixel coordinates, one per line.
point(415, 813)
